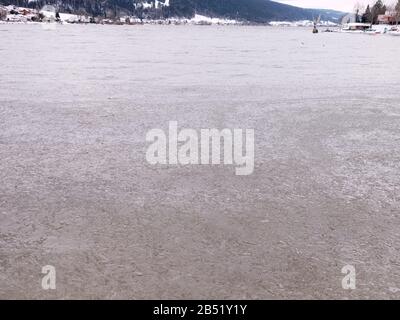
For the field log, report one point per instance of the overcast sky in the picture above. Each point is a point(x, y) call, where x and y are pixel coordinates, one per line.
point(342, 5)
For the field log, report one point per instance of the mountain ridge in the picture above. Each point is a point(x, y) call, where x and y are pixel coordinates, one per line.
point(256, 11)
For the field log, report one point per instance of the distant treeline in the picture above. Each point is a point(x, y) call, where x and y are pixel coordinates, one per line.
point(249, 10)
point(104, 8)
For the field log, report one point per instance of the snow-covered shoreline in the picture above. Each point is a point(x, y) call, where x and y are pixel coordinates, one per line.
point(19, 15)
point(26, 15)
point(13, 14)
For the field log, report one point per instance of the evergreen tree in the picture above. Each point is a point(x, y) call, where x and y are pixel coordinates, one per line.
point(367, 16)
point(378, 9)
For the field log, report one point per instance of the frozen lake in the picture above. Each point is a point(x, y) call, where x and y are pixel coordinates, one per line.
point(77, 193)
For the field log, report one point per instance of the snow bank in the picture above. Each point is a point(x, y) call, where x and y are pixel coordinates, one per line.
point(302, 23)
point(199, 19)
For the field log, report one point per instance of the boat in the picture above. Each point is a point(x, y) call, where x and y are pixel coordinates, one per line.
point(394, 32)
point(356, 27)
point(372, 32)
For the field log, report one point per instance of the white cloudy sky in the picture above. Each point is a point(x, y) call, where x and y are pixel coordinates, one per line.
point(343, 5)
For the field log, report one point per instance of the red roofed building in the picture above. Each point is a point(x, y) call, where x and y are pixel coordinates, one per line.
point(388, 18)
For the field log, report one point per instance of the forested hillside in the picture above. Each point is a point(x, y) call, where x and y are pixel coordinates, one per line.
point(249, 10)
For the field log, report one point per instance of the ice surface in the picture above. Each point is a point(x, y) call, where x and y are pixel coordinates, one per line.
point(76, 191)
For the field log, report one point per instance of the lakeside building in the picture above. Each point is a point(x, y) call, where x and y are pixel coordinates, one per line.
point(390, 17)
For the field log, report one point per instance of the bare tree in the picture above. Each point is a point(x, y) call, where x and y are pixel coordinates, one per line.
point(397, 11)
point(3, 14)
point(358, 9)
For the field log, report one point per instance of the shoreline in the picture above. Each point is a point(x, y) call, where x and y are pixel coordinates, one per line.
point(14, 14)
